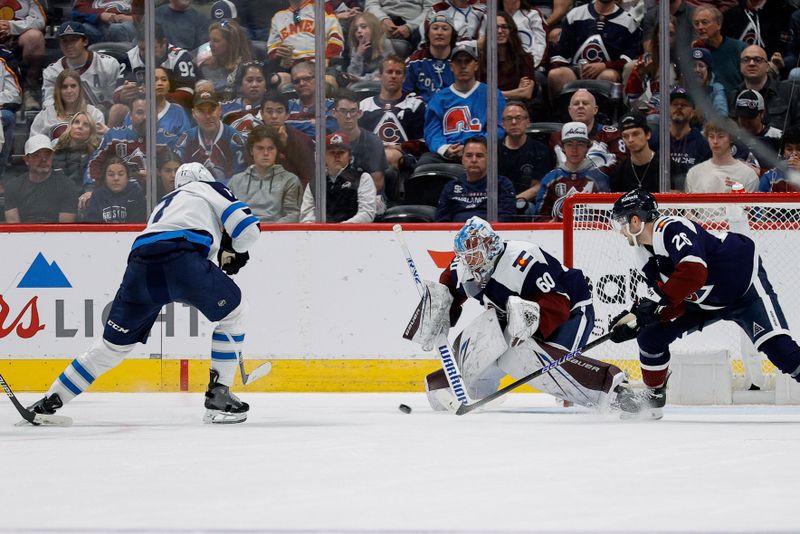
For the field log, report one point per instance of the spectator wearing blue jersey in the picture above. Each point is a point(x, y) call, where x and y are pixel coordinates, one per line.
point(459, 112)
point(784, 177)
point(172, 119)
point(465, 197)
point(428, 69)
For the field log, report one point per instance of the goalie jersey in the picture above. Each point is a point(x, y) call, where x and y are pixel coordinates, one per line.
point(722, 267)
point(525, 270)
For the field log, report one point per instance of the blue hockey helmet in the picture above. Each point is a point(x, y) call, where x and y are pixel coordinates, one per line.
point(478, 247)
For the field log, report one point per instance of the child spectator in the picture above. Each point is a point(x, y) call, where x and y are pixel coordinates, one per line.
point(273, 193)
point(780, 179)
point(117, 199)
point(368, 47)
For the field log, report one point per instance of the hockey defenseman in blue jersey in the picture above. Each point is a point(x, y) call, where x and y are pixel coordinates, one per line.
point(171, 261)
point(700, 278)
point(536, 311)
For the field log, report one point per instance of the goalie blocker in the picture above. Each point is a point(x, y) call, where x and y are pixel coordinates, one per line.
point(537, 311)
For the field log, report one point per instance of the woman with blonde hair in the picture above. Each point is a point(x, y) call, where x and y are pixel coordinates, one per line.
point(367, 47)
point(73, 149)
point(68, 99)
point(230, 47)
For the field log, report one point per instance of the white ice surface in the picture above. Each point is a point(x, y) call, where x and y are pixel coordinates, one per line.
point(354, 463)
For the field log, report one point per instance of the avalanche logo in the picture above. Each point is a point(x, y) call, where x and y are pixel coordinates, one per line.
point(458, 120)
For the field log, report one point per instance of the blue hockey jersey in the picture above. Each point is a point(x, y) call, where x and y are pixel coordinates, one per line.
point(302, 117)
point(730, 259)
point(426, 75)
point(453, 117)
point(172, 121)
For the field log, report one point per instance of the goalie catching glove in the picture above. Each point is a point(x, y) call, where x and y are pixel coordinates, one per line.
point(229, 260)
point(431, 317)
point(523, 319)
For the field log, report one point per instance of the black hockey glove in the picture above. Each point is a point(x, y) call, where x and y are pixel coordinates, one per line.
point(621, 332)
point(647, 312)
point(229, 260)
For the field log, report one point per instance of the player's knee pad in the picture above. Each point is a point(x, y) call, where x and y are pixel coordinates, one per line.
point(83, 370)
point(784, 353)
point(234, 321)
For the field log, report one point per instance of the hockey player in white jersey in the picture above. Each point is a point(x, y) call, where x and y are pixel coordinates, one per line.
point(536, 311)
point(171, 261)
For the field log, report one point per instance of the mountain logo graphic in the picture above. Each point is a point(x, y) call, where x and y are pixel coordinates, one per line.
point(42, 274)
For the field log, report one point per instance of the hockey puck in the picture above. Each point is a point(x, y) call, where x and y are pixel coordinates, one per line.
point(404, 408)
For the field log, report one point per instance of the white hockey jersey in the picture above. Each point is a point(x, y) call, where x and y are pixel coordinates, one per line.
point(47, 122)
point(10, 86)
point(27, 15)
point(99, 76)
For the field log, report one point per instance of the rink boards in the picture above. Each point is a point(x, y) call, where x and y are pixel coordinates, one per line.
point(327, 307)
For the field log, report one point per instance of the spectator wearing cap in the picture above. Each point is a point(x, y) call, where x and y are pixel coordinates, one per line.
point(184, 26)
point(467, 196)
point(218, 146)
point(99, 72)
point(41, 195)
point(400, 19)
point(296, 149)
point(702, 67)
point(577, 174)
point(608, 149)
point(292, 36)
point(350, 196)
point(23, 30)
point(725, 51)
point(722, 171)
point(271, 192)
point(428, 69)
point(596, 42)
point(784, 178)
point(459, 112)
point(687, 145)
point(781, 104)
point(750, 117)
point(106, 21)
point(366, 147)
point(640, 170)
point(521, 157)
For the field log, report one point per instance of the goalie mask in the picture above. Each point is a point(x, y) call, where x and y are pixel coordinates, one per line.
point(478, 247)
point(637, 202)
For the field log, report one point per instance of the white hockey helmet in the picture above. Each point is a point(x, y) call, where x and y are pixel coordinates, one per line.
point(478, 247)
point(192, 172)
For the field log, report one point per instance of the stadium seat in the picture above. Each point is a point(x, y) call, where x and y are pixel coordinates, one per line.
point(117, 50)
point(409, 213)
point(608, 95)
point(259, 50)
point(366, 88)
point(427, 182)
point(402, 47)
point(288, 90)
point(541, 130)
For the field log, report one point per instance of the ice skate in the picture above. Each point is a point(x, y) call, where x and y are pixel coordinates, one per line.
point(647, 403)
point(47, 405)
point(222, 406)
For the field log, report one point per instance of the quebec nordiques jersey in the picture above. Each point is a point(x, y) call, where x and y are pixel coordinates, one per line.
point(99, 78)
point(223, 158)
point(454, 117)
point(730, 259)
point(523, 270)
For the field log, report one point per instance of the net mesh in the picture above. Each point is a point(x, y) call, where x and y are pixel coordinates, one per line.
point(772, 221)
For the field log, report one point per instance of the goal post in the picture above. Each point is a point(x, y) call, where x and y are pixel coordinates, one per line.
point(772, 220)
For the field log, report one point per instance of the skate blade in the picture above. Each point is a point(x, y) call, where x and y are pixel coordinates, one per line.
point(46, 420)
point(224, 418)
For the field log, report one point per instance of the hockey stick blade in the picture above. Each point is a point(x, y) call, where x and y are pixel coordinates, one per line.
point(258, 373)
point(30, 417)
point(466, 408)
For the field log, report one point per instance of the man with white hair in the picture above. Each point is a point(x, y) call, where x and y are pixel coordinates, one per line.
point(171, 261)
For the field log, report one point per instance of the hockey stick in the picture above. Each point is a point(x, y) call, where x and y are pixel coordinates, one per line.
point(466, 408)
point(259, 372)
point(34, 418)
point(451, 370)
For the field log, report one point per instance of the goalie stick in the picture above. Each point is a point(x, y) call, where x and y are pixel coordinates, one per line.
point(466, 408)
point(451, 370)
point(34, 418)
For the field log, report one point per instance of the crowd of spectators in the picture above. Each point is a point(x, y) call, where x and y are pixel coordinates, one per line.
point(406, 97)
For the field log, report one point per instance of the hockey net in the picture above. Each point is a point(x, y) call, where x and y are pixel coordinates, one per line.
point(771, 220)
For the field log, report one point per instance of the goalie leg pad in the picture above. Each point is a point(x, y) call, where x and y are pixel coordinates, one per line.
point(86, 368)
point(478, 347)
point(441, 397)
point(431, 316)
